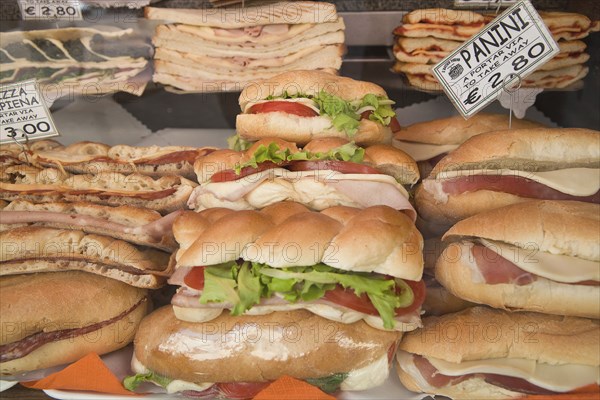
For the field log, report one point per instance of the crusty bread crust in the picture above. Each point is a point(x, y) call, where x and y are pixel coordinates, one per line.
point(376, 239)
point(442, 215)
point(526, 149)
point(456, 130)
point(266, 346)
point(566, 227)
point(61, 300)
point(482, 333)
point(309, 83)
point(104, 340)
point(543, 295)
point(37, 243)
point(443, 16)
point(302, 130)
point(124, 215)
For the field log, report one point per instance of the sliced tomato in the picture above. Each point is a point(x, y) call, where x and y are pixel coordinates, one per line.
point(347, 298)
point(195, 278)
point(241, 390)
point(345, 167)
point(229, 175)
point(283, 106)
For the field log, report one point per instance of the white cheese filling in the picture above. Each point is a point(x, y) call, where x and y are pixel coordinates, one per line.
point(423, 151)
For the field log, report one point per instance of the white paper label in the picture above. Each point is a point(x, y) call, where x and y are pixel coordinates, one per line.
point(51, 10)
point(484, 3)
point(23, 113)
point(509, 48)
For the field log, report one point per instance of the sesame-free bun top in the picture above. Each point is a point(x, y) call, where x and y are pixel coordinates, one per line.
point(564, 227)
point(456, 130)
point(535, 149)
point(387, 159)
point(309, 83)
point(376, 239)
point(550, 339)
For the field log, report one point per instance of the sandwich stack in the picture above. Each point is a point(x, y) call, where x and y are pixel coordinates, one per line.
point(429, 35)
point(226, 49)
point(79, 249)
point(301, 227)
point(71, 61)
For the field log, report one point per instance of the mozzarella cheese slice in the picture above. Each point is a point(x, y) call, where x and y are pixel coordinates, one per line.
point(423, 151)
point(175, 385)
point(557, 267)
point(572, 181)
point(558, 378)
point(300, 100)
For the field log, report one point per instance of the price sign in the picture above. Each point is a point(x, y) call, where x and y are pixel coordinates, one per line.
point(509, 48)
point(483, 3)
point(51, 10)
point(23, 113)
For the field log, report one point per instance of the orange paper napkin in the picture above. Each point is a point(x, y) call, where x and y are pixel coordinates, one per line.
point(88, 374)
point(289, 388)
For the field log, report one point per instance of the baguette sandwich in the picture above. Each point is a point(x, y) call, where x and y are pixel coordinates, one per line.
point(428, 142)
point(237, 357)
point(482, 353)
point(537, 256)
point(303, 105)
point(322, 174)
point(58, 318)
point(343, 263)
point(495, 169)
point(164, 194)
point(94, 158)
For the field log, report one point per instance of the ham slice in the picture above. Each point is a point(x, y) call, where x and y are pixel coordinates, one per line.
point(438, 380)
point(496, 269)
point(369, 194)
point(516, 185)
point(156, 229)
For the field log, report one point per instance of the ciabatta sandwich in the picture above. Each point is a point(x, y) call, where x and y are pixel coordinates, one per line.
point(236, 357)
point(164, 194)
point(441, 23)
point(495, 169)
point(482, 353)
point(33, 249)
point(58, 318)
point(538, 256)
point(322, 174)
point(428, 142)
point(132, 224)
point(303, 105)
point(342, 263)
point(93, 158)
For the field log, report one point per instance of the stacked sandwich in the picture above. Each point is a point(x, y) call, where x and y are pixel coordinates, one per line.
point(208, 50)
point(292, 235)
point(68, 61)
point(79, 249)
point(429, 35)
point(526, 217)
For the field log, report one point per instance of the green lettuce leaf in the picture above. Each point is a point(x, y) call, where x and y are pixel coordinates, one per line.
point(329, 384)
point(236, 143)
point(244, 285)
point(132, 382)
point(343, 113)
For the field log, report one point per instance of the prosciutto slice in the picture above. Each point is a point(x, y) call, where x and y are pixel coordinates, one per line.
point(438, 380)
point(516, 185)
